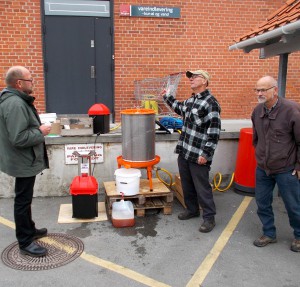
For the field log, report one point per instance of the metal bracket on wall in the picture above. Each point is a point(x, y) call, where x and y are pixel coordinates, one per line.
point(93, 72)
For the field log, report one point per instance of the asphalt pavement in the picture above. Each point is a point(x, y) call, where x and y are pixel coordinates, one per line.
point(161, 250)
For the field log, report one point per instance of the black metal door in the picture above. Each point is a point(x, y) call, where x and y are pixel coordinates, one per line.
point(104, 62)
point(78, 59)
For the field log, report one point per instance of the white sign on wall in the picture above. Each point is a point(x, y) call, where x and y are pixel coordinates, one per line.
point(83, 149)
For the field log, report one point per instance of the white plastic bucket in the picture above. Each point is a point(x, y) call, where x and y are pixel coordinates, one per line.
point(122, 214)
point(128, 181)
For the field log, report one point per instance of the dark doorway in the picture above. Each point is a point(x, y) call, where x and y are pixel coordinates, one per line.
point(78, 63)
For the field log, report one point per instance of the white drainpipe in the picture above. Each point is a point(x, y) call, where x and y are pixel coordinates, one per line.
point(286, 29)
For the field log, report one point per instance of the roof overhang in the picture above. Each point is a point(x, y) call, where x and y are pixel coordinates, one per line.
point(282, 40)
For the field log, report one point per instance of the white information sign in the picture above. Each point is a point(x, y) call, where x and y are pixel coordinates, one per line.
point(84, 168)
point(83, 149)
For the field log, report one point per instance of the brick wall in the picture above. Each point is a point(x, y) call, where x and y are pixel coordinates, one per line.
point(21, 42)
point(156, 47)
point(150, 47)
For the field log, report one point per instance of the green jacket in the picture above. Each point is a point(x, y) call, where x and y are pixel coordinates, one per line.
point(22, 145)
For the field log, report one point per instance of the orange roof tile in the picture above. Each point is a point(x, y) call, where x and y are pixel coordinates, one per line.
point(288, 13)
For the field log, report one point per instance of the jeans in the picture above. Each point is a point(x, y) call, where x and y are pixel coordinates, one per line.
point(25, 227)
point(196, 188)
point(289, 187)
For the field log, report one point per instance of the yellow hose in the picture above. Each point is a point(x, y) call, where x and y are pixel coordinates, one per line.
point(168, 173)
point(115, 128)
point(217, 185)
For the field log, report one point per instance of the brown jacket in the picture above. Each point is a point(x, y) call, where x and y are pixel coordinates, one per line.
point(276, 137)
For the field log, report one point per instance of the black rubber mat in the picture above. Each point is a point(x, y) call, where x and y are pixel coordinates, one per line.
point(62, 249)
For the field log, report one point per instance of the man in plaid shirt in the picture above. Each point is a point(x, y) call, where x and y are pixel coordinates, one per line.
point(196, 146)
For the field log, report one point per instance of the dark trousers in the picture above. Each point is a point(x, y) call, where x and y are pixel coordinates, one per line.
point(25, 227)
point(196, 187)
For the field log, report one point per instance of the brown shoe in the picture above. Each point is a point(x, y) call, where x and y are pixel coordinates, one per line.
point(295, 245)
point(264, 240)
point(207, 226)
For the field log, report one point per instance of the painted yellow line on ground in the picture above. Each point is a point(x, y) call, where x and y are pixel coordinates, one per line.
point(100, 262)
point(58, 245)
point(123, 271)
point(7, 223)
point(211, 258)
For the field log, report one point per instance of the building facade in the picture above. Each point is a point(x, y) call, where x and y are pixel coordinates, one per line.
point(77, 60)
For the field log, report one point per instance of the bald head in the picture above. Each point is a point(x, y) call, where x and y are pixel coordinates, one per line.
point(13, 74)
point(18, 77)
point(267, 80)
point(267, 91)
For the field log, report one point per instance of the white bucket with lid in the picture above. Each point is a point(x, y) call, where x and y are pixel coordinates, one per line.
point(128, 181)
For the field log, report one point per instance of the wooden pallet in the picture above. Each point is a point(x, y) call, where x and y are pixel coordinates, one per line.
point(160, 198)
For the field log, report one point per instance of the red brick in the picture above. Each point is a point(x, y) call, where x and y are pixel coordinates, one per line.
point(156, 47)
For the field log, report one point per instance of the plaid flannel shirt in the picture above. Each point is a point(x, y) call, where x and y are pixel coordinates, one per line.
point(201, 125)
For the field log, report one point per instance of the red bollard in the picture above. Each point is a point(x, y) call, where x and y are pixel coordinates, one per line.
point(244, 176)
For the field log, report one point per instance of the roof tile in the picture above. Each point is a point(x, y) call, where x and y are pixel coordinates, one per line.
point(288, 13)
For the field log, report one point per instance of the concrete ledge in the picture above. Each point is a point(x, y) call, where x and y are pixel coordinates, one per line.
point(56, 180)
point(230, 130)
point(117, 138)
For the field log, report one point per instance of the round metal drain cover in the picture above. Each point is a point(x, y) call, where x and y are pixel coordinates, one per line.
point(62, 249)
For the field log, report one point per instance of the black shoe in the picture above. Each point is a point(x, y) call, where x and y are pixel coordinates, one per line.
point(33, 250)
point(187, 215)
point(39, 233)
point(207, 226)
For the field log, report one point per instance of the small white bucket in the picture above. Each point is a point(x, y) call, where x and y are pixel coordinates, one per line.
point(128, 181)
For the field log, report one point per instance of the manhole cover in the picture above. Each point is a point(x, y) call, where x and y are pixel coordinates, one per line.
point(62, 249)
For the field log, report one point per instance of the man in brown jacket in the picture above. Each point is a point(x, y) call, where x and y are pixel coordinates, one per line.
point(276, 137)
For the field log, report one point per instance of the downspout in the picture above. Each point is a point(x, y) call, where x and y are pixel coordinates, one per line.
point(282, 74)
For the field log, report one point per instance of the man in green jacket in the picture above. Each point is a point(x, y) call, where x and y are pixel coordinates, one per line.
point(22, 153)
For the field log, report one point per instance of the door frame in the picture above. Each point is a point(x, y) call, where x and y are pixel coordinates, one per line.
point(43, 27)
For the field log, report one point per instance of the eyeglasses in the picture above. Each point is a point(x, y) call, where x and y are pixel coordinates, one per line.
point(26, 80)
point(257, 91)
